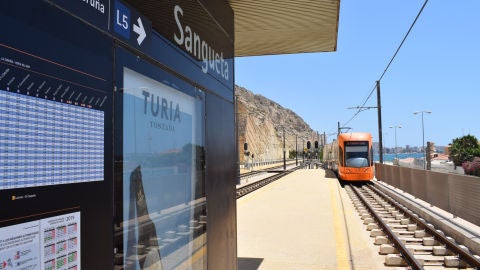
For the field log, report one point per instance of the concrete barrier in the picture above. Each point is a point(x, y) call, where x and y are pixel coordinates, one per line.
point(454, 193)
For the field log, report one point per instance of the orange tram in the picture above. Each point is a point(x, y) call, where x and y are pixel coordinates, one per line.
point(350, 156)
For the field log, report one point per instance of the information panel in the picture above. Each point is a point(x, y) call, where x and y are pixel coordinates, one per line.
point(56, 130)
point(48, 143)
point(51, 129)
point(49, 243)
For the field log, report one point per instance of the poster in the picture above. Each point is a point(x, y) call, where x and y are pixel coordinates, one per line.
point(46, 244)
point(162, 173)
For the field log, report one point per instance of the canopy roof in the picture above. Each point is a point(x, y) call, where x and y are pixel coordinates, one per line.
point(264, 27)
point(260, 27)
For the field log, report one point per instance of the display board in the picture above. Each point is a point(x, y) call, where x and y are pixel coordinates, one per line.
point(55, 148)
point(44, 142)
point(51, 117)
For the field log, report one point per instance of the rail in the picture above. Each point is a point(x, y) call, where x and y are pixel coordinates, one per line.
point(244, 190)
point(254, 164)
point(407, 255)
point(397, 222)
point(463, 255)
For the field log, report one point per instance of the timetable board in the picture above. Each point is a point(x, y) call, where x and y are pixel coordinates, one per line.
point(44, 142)
point(56, 139)
point(51, 127)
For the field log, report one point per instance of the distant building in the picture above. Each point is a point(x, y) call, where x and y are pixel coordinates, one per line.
point(446, 150)
point(431, 147)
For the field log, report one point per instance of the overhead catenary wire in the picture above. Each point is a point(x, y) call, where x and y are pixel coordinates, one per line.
point(360, 107)
point(403, 41)
point(388, 65)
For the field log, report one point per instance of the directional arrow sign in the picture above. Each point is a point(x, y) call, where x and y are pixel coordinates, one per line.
point(131, 26)
point(140, 31)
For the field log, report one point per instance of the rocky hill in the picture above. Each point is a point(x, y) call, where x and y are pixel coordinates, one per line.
point(261, 122)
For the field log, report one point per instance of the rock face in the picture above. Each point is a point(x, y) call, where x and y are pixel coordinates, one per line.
point(261, 123)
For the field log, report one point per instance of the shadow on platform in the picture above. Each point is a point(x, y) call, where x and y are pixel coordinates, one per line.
point(249, 263)
point(330, 174)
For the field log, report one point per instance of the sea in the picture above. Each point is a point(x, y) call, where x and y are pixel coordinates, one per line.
point(390, 157)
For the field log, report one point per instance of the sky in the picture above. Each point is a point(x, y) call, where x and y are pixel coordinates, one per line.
point(437, 69)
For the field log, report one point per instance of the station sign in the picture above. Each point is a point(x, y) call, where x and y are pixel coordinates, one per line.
point(129, 25)
point(95, 12)
point(197, 41)
point(189, 27)
point(113, 16)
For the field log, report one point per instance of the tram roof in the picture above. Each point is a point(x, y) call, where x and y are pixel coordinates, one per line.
point(266, 27)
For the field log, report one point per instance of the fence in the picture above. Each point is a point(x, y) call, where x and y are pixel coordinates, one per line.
point(457, 194)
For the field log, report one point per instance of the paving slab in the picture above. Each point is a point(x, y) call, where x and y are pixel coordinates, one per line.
point(298, 222)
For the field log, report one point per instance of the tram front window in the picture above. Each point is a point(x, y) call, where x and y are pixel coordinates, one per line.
point(356, 154)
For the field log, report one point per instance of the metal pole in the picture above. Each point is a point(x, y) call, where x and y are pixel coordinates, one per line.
point(379, 108)
point(284, 161)
point(303, 150)
point(396, 149)
point(296, 151)
point(423, 144)
point(237, 159)
point(423, 138)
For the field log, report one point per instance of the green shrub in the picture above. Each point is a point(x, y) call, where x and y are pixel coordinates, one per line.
point(464, 149)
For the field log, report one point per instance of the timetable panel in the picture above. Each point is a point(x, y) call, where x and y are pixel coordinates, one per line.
point(56, 139)
point(52, 122)
point(44, 142)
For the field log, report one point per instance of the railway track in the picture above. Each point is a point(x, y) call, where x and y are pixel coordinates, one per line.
point(254, 173)
point(403, 237)
point(244, 190)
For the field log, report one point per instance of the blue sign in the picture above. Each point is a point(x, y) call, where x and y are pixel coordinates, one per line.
point(131, 26)
point(113, 16)
point(95, 12)
point(121, 24)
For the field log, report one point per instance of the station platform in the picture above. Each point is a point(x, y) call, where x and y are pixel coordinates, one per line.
point(302, 221)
